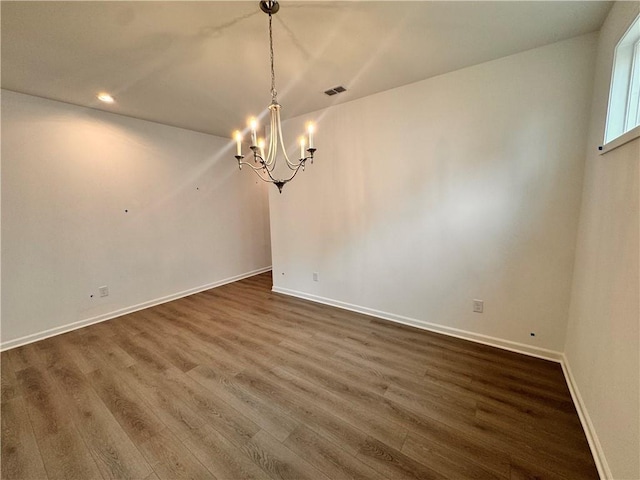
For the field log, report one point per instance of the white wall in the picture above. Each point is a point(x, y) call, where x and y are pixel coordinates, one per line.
point(603, 336)
point(462, 186)
point(69, 174)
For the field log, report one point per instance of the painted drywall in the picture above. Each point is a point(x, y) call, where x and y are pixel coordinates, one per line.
point(463, 186)
point(93, 199)
point(603, 335)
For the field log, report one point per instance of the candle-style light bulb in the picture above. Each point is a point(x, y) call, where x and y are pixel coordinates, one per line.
point(310, 130)
point(238, 136)
point(302, 143)
point(261, 146)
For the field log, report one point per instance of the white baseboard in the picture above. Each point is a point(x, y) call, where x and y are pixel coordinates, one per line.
point(432, 327)
point(596, 448)
point(123, 311)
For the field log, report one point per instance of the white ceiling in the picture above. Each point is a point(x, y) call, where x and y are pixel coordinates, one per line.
point(205, 65)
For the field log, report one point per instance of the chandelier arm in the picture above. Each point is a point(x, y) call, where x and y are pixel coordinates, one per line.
point(252, 167)
point(270, 178)
point(276, 180)
point(273, 179)
point(273, 145)
point(290, 164)
point(295, 172)
point(273, 151)
point(257, 171)
point(259, 159)
point(265, 165)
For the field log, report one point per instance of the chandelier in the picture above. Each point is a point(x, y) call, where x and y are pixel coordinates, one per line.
point(264, 165)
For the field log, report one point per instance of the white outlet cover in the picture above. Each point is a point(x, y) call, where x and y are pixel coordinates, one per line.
point(478, 306)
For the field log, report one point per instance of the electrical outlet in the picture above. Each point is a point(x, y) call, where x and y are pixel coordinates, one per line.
point(315, 276)
point(104, 291)
point(478, 306)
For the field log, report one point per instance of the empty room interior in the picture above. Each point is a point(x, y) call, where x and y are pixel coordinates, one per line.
point(320, 240)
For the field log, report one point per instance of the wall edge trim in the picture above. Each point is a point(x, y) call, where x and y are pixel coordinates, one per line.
point(509, 345)
point(590, 432)
point(34, 337)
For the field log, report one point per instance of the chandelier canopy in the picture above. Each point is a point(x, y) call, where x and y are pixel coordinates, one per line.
point(264, 165)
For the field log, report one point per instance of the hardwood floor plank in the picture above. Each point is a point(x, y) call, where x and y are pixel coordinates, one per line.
point(464, 350)
point(398, 381)
point(524, 470)
point(222, 416)
point(48, 410)
point(331, 365)
point(308, 365)
point(217, 353)
point(187, 350)
point(551, 455)
point(382, 407)
point(224, 350)
point(139, 422)
point(459, 445)
point(178, 358)
point(223, 458)
point(23, 357)
point(327, 457)
point(114, 452)
point(264, 414)
point(139, 352)
point(370, 422)
point(9, 386)
point(64, 453)
point(171, 460)
point(53, 351)
point(181, 419)
point(232, 308)
point(375, 360)
point(444, 408)
point(441, 460)
point(517, 389)
point(392, 463)
point(110, 353)
point(263, 383)
point(20, 457)
point(551, 430)
point(532, 411)
point(66, 456)
point(79, 348)
point(278, 461)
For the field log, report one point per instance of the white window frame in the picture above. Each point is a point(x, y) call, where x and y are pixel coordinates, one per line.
point(632, 116)
point(623, 114)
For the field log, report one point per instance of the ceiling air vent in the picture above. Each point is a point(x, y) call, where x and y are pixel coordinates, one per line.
point(335, 90)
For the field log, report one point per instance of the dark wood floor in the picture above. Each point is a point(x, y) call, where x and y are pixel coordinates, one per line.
point(241, 383)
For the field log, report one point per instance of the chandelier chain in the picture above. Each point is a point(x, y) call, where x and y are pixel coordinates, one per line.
point(274, 94)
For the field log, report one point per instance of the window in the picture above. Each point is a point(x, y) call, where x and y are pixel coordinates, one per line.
point(624, 97)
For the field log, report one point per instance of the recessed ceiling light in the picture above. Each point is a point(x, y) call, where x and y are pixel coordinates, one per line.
point(105, 97)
